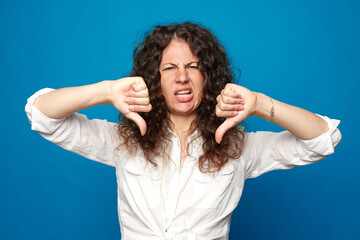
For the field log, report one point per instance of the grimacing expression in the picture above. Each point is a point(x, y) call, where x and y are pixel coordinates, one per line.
point(181, 80)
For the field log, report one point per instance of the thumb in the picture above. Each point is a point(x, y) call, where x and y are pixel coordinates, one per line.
point(223, 128)
point(138, 120)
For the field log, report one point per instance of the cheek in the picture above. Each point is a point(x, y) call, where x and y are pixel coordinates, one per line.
point(198, 78)
point(162, 85)
point(200, 87)
point(200, 84)
point(165, 90)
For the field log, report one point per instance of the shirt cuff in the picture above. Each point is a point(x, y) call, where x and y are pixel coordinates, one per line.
point(324, 144)
point(39, 122)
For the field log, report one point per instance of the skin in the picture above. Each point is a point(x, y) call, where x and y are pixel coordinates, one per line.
point(179, 71)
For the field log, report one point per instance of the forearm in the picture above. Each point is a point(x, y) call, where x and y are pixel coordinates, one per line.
point(302, 123)
point(63, 102)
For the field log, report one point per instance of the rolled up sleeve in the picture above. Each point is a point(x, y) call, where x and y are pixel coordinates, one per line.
point(325, 144)
point(268, 151)
point(94, 139)
point(39, 122)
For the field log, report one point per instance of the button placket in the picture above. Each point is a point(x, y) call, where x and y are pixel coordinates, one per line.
point(173, 194)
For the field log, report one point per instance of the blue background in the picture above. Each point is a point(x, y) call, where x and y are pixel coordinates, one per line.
point(303, 52)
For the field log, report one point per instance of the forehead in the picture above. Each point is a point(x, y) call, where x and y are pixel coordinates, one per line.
point(178, 51)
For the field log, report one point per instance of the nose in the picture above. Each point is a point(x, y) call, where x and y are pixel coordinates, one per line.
point(182, 75)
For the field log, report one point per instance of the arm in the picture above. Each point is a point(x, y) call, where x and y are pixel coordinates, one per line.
point(236, 103)
point(309, 137)
point(301, 123)
point(52, 114)
point(128, 95)
point(63, 102)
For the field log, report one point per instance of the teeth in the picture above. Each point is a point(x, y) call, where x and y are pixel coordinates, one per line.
point(183, 92)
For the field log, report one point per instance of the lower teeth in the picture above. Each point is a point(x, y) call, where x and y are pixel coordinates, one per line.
point(183, 95)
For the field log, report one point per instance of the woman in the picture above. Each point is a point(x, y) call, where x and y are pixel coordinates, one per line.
point(181, 161)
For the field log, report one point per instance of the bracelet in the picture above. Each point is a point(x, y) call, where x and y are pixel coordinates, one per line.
point(272, 111)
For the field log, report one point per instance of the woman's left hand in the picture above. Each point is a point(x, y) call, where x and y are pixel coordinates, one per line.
point(235, 103)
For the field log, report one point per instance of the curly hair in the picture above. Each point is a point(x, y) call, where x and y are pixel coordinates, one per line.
point(214, 65)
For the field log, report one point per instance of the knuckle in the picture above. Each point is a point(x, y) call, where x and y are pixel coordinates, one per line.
point(149, 107)
point(225, 99)
point(220, 113)
point(134, 108)
point(229, 87)
point(217, 112)
point(218, 98)
point(222, 105)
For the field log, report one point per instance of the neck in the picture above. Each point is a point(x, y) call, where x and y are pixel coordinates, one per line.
point(182, 125)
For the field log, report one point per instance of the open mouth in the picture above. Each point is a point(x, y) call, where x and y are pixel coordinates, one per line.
point(183, 93)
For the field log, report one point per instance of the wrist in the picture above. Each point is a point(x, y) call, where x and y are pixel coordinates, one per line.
point(263, 107)
point(104, 92)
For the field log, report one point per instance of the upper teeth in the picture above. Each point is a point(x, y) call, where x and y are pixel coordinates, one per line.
point(184, 92)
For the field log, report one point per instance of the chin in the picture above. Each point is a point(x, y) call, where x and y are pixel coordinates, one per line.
point(185, 111)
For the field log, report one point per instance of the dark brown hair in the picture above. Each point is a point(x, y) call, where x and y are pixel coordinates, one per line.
point(214, 65)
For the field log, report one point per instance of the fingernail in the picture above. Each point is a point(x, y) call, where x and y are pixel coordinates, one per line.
point(131, 108)
point(127, 100)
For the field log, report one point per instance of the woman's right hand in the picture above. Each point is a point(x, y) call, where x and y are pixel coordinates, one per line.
point(130, 95)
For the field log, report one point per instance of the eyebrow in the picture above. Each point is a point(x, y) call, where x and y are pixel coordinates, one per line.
point(173, 64)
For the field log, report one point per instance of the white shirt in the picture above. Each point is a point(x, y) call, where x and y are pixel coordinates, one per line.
point(172, 203)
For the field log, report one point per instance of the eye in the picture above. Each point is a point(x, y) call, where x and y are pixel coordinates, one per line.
point(193, 67)
point(168, 68)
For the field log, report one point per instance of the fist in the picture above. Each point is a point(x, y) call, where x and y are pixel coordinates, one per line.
point(130, 96)
point(235, 103)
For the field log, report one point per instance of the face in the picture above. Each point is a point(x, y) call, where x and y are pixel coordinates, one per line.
point(181, 80)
